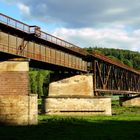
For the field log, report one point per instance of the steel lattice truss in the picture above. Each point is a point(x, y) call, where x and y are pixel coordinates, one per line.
point(111, 76)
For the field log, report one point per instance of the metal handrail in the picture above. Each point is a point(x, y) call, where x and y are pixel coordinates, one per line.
point(114, 62)
point(36, 30)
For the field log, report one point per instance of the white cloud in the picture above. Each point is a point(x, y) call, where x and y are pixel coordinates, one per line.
point(105, 37)
point(25, 10)
point(82, 13)
point(106, 23)
point(115, 11)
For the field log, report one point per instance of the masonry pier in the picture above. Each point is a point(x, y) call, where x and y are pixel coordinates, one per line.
point(74, 96)
point(130, 101)
point(17, 106)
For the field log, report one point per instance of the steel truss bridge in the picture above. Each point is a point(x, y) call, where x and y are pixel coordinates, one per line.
point(45, 51)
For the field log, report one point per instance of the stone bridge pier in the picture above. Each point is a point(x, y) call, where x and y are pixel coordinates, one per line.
point(17, 106)
point(130, 101)
point(74, 96)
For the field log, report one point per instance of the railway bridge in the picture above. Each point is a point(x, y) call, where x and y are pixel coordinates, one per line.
point(23, 46)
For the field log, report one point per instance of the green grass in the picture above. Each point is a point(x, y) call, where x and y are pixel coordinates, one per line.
point(118, 110)
point(123, 125)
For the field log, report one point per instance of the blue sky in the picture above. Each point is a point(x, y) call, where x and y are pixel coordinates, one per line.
point(103, 23)
point(13, 11)
point(9, 10)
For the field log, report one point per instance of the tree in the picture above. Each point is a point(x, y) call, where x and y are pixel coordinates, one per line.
point(33, 81)
point(39, 81)
point(127, 57)
point(128, 62)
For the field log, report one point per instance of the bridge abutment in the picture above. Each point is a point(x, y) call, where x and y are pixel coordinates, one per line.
point(17, 106)
point(74, 96)
point(130, 101)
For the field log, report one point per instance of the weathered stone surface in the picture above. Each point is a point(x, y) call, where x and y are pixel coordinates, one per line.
point(80, 85)
point(14, 66)
point(80, 106)
point(74, 96)
point(18, 109)
point(130, 101)
point(14, 77)
point(12, 82)
point(33, 111)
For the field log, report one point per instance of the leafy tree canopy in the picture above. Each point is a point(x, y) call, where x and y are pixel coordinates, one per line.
point(127, 57)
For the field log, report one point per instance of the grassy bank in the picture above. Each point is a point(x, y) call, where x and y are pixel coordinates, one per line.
point(123, 124)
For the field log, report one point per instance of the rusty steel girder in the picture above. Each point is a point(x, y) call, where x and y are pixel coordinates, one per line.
point(17, 25)
point(114, 77)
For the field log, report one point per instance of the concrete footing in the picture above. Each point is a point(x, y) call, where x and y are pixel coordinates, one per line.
point(130, 101)
point(77, 106)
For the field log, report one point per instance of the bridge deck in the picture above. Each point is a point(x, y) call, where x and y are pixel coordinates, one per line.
point(29, 41)
point(8, 21)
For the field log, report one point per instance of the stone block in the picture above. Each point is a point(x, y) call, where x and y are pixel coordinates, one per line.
point(18, 109)
point(14, 66)
point(14, 77)
point(80, 85)
point(130, 101)
point(77, 106)
point(14, 83)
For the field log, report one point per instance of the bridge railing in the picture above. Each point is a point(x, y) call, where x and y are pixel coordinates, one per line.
point(37, 32)
point(14, 23)
point(114, 62)
point(114, 77)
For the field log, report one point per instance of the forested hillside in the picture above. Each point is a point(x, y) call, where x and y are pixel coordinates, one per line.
point(127, 57)
point(39, 79)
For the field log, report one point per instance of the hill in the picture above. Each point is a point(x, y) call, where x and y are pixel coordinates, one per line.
point(127, 57)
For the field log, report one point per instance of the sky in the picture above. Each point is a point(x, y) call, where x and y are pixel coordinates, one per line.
point(85, 23)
